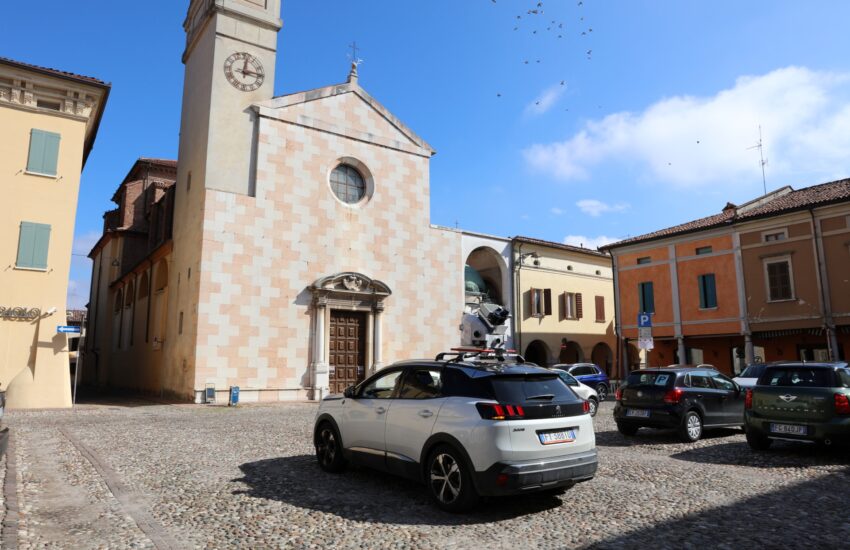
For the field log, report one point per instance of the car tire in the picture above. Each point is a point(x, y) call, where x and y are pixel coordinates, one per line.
point(329, 448)
point(627, 429)
point(758, 442)
point(594, 406)
point(602, 392)
point(691, 429)
point(449, 480)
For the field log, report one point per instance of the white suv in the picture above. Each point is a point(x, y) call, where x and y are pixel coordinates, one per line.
point(466, 428)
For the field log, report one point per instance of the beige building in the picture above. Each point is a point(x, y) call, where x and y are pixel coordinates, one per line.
point(564, 303)
point(49, 122)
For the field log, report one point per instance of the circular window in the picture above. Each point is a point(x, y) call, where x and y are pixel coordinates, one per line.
point(347, 184)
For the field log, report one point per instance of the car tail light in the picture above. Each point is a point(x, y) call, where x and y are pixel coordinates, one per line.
point(748, 400)
point(497, 411)
point(585, 406)
point(673, 396)
point(618, 395)
point(842, 404)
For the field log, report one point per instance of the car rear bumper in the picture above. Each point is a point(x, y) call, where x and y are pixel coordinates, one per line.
point(667, 417)
point(515, 477)
point(836, 429)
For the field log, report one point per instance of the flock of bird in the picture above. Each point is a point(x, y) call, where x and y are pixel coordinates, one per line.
point(534, 20)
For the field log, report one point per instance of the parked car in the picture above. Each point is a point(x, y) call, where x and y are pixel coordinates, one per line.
point(590, 375)
point(582, 390)
point(466, 427)
point(801, 402)
point(750, 375)
point(688, 399)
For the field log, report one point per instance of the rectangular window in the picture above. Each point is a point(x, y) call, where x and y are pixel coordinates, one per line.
point(779, 283)
point(703, 250)
point(773, 236)
point(541, 302)
point(33, 243)
point(707, 291)
point(569, 305)
point(600, 309)
point(644, 260)
point(646, 297)
point(44, 152)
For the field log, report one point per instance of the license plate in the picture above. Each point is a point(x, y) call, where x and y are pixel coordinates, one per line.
point(641, 413)
point(788, 429)
point(561, 436)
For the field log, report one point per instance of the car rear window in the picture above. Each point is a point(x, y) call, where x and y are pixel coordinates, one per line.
point(521, 389)
point(798, 377)
point(651, 379)
point(753, 371)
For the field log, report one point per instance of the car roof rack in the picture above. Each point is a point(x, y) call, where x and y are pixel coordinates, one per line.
point(485, 354)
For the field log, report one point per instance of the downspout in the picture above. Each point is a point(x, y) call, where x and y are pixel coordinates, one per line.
point(517, 261)
point(825, 299)
point(620, 367)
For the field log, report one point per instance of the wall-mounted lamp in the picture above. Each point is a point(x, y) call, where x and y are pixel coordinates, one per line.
point(51, 311)
point(115, 263)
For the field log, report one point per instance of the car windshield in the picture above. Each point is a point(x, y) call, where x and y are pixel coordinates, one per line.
point(753, 371)
point(798, 377)
point(520, 389)
point(650, 379)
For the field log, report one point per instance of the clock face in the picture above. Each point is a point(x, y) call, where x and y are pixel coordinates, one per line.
point(244, 71)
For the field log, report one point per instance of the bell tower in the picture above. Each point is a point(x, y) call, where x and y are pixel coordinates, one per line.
point(231, 46)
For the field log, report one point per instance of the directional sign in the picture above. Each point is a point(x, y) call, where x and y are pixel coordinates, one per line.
point(644, 320)
point(645, 333)
point(68, 330)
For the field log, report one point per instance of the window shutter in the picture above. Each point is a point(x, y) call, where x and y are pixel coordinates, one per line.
point(703, 299)
point(711, 290)
point(600, 309)
point(579, 307)
point(562, 304)
point(650, 293)
point(33, 245)
point(44, 152)
point(547, 302)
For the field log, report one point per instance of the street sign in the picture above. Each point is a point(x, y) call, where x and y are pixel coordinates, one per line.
point(644, 320)
point(68, 330)
point(645, 333)
point(646, 343)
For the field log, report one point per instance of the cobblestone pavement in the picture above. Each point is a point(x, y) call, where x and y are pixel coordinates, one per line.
point(165, 476)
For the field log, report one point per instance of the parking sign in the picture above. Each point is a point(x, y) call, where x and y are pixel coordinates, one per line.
point(644, 320)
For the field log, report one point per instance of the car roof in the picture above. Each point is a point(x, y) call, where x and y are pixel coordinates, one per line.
point(821, 364)
point(477, 369)
point(684, 369)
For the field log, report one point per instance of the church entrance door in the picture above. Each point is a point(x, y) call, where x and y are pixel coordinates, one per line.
point(347, 349)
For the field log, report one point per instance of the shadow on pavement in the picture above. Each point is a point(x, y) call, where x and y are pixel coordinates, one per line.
point(370, 496)
point(783, 454)
point(649, 436)
point(804, 515)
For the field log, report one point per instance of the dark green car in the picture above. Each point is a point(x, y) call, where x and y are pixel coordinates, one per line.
point(799, 402)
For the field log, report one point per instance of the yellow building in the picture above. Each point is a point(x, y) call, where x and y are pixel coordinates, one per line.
point(564, 303)
point(49, 120)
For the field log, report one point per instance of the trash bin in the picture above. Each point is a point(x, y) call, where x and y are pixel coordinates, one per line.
point(234, 396)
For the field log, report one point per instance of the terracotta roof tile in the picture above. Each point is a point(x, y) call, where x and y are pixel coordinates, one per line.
point(55, 72)
point(809, 197)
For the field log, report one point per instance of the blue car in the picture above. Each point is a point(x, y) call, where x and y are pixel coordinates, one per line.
point(589, 375)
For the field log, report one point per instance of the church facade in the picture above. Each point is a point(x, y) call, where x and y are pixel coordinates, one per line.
point(301, 255)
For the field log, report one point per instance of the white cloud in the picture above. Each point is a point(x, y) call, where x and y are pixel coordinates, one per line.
point(596, 208)
point(589, 242)
point(690, 141)
point(546, 100)
point(85, 242)
point(555, 210)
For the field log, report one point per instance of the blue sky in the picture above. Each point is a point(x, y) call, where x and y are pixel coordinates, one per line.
point(648, 130)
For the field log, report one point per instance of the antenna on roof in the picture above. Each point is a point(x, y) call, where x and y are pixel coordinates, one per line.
point(763, 161)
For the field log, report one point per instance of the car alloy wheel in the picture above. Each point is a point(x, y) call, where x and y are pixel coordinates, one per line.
point(328, 452)
point(446, 479)
point(593, 406)
point(692, 426)
point(602, 391)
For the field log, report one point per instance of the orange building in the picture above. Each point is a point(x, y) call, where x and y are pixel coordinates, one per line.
point(758, 282)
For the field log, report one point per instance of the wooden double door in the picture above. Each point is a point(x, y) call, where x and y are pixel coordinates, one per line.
point(347, 349)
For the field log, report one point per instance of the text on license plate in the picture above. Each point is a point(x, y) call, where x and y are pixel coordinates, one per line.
point(788, 429)
point(563, 436)
point(643, 413)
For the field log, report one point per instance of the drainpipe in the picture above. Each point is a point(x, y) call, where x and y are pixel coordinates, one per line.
point(621, 371)
point(517, 266)
point(826, 303)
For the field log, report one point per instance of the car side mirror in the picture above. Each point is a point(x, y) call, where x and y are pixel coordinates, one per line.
point(349, 392)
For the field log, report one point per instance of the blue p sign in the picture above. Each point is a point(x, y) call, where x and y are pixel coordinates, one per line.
point(644, 320)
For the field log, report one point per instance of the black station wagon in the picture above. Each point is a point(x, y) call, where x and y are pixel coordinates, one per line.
point(687, 399)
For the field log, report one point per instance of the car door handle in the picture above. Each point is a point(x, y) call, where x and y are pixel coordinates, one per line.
point(380, 410)
point(426, 413)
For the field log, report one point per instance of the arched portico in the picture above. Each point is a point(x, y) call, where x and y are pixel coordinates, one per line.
point(346, 335)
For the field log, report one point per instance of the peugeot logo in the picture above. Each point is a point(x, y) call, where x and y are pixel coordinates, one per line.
point(557, 410)
point(788, 398)
point(640, 394)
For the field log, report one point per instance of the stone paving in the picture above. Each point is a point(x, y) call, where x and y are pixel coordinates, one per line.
point(140, 475)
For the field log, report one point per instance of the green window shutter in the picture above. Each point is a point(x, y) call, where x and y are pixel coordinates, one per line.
point(710, 291)
point(33, 245)
point(44, 152)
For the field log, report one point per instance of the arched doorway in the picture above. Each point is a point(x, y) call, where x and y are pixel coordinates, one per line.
point(538, 353)
point(485, 272)
point(570, 352)
point(603, 357)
